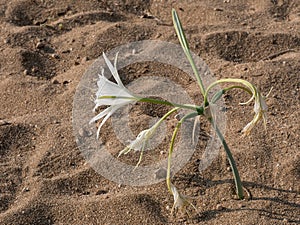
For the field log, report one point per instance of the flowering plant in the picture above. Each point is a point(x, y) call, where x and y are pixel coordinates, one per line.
point(116, 95)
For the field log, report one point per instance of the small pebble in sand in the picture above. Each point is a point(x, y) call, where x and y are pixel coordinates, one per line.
point(218, 9)
point(40, 45)
point(4, 122)
point(54, 81)
point(85, 59)
point(25, 72)
point(219, 207)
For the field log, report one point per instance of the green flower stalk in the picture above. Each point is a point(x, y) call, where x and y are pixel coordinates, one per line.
point(180, 201)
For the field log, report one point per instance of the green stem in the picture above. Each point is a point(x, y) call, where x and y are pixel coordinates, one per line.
point(238, 87)
point(186, 49)
point(165, 116)
point(237, 179)
point(163, 102)
point(219, 94)
point(153, 129)
point(250, 88)
point(168, 179)
point(155, 101)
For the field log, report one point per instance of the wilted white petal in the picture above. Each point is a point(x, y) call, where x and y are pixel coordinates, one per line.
point(260, 104)
point(260, 109)
point(141, 140)
point(247, 129)
point(180, 201)
point(139, 144)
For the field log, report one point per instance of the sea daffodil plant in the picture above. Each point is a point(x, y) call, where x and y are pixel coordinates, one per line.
point(116, 95)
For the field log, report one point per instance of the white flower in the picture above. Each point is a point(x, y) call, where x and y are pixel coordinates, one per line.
point(260, 109)
point(114, 95)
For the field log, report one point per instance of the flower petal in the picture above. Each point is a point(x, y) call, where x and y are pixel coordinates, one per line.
point(100, 115)
point(113, 69)
point(180, 201)
point(108, 88)
point(141, 140)
point(110, 112)
point(247, 129)
point(260, 104)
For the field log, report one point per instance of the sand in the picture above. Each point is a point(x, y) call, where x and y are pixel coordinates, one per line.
point(45, 49)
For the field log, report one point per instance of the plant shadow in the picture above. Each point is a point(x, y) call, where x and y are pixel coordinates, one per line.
point(275, 204)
